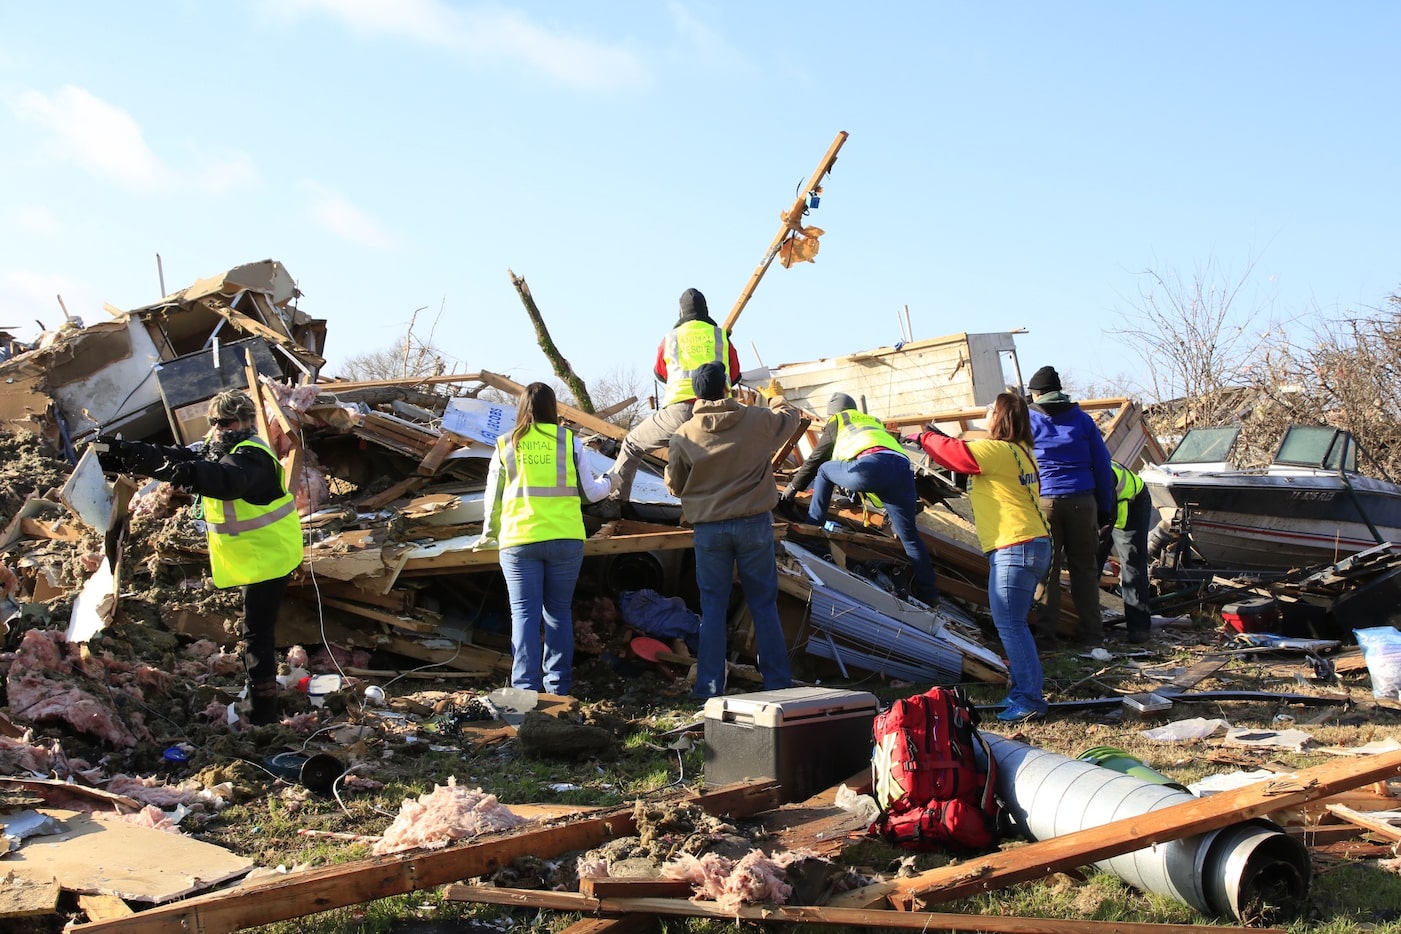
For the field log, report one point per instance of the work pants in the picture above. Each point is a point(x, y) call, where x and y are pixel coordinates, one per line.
point(1075, 545)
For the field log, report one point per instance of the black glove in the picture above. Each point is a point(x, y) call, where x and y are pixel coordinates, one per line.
point(1105, 519)
point(937, 430)
point(788, 495)
point(912, 443)
point(111, 453)
point(176, 473)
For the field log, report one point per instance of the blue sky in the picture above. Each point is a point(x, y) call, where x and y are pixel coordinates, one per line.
point(1009, 165)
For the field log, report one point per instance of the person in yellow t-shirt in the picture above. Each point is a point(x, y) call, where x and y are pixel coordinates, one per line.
point(1012, 531)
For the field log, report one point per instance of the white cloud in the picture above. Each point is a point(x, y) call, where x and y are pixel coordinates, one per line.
point(338, 215)
point(486, 32)
point(35, 219)
point(100, 137)
point(106, 141)
point(703, 45)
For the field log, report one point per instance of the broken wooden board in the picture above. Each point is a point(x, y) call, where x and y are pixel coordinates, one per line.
point(110, 857)
point(1377, 822)
point(23, 896)
point(817, 914)
point(326, 887)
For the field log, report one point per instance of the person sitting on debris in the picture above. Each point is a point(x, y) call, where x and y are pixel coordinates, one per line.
point(720, 464)
point(695, 340)
point(1128, 537)
point(1077, 496)
point(533, 515)
point(251, 523)
point(855, 452)
point(1013, 533)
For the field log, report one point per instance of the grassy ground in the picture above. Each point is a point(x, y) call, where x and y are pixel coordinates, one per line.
point(643, 708)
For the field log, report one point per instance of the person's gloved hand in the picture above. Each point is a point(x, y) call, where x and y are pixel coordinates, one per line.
point(912, 443)
point(110, 453)
point(1105, 519)
point(787, 495)
point(770, 390)
point(934, 427)
point(176, 473)
point(142, 460)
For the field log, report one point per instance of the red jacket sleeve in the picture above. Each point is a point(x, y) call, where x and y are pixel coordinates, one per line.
point(659, 368)
point(949, 452)
point(734, 365)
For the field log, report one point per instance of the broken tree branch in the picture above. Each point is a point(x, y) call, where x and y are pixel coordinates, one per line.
point(542, 337)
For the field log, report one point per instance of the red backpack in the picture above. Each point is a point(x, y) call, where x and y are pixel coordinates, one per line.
point(926, 780)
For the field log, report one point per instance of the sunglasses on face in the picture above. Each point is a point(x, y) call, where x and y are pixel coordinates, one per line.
point(225, 422)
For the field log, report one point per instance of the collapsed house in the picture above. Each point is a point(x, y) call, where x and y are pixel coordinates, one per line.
point(389, 478)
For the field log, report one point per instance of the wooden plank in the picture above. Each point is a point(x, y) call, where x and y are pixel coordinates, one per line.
point(327, 887)
point(815, 914)
point(387, 496)
point(1040, 859)
point(389, 619)
point(622, 924)
point(255, 392)
point(444, 446)
point(1373, 823)
point(103, 907)
point(782, 453)
point(635, 888)
point(22, 897)
point(408, 381)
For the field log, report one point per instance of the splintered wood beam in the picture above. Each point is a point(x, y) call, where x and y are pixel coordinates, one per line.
point(782, 453)
point(327, 887)
point(820, 914)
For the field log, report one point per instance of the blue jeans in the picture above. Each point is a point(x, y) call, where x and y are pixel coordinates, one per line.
point(540, 580)
point(888, 475)
point(1013, 573)
point(720, 546)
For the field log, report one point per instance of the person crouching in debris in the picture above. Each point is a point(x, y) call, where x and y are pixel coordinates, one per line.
point(856, 453)
point(720, 465)
point(251, 523)
point(533, 515)
point(695, 340)
point(1012, 531)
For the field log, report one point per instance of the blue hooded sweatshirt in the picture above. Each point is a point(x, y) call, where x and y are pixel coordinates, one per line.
point(1070, 451)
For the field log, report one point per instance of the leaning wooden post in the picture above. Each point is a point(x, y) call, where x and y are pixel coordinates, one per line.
point(789, 219)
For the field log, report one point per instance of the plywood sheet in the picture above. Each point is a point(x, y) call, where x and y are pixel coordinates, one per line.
point(21, 896)
point(95, 856)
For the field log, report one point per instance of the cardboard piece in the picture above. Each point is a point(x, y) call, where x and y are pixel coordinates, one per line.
point(95, 856)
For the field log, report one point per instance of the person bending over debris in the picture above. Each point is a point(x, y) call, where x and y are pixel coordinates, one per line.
point(720, 464)
point(1012, 531)
point(1077, 496)
point(695, 340)
point(251, 522)
point(533, 516)
point(1128, 537)
point(856, 453)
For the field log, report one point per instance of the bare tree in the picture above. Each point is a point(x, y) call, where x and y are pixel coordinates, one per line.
point(1195, 337)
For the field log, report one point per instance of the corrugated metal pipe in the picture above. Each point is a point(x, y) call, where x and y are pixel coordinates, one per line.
point(1251, 871)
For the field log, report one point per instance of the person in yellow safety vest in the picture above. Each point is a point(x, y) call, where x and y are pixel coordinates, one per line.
point(856, 453)
point(533, 516)
point(1128, 537)
point(694, 341)
point(251, 523)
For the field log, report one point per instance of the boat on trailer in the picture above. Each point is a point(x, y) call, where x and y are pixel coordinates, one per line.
point(1308, 507)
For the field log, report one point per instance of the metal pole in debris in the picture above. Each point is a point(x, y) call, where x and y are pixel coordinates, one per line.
point(789, 217)
point(160, 274)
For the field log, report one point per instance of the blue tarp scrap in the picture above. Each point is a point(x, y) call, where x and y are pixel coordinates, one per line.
point(659, 617)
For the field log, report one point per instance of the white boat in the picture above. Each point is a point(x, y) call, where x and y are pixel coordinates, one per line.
point(1308, 507)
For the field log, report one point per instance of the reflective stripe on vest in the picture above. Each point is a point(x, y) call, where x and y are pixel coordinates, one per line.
point(539, 487)
point(857, 432)
point(248, 542)
point(687, 348)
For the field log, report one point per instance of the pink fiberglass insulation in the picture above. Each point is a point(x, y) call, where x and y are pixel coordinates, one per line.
point(40, 688)
point(754, 880)
point(149, 816)
point(18, 756)
point(297, 657)
point(152, 791)
point(447, 813)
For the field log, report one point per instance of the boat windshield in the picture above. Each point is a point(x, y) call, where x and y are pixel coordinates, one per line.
point(1205, 446)
point(1317, 446)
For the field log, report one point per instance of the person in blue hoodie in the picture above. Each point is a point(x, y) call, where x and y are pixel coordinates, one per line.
point(1077, 497)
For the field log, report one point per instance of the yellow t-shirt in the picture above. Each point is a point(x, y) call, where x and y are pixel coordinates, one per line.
point(1005, 495)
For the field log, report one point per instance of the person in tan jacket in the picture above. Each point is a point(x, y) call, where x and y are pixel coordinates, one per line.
point(720, 465)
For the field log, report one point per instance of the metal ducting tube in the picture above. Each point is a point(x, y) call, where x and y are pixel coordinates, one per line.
point(1251, 871)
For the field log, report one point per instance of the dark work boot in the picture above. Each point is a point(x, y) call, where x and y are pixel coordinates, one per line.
point(264, 710)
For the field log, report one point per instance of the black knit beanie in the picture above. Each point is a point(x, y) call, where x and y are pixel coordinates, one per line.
point(1045, 379)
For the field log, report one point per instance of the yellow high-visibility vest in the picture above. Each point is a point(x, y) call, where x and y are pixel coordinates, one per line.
point(1127, 485)
point(249, 543)
point(688, 347)
point(857, 431)
point(539, 487)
